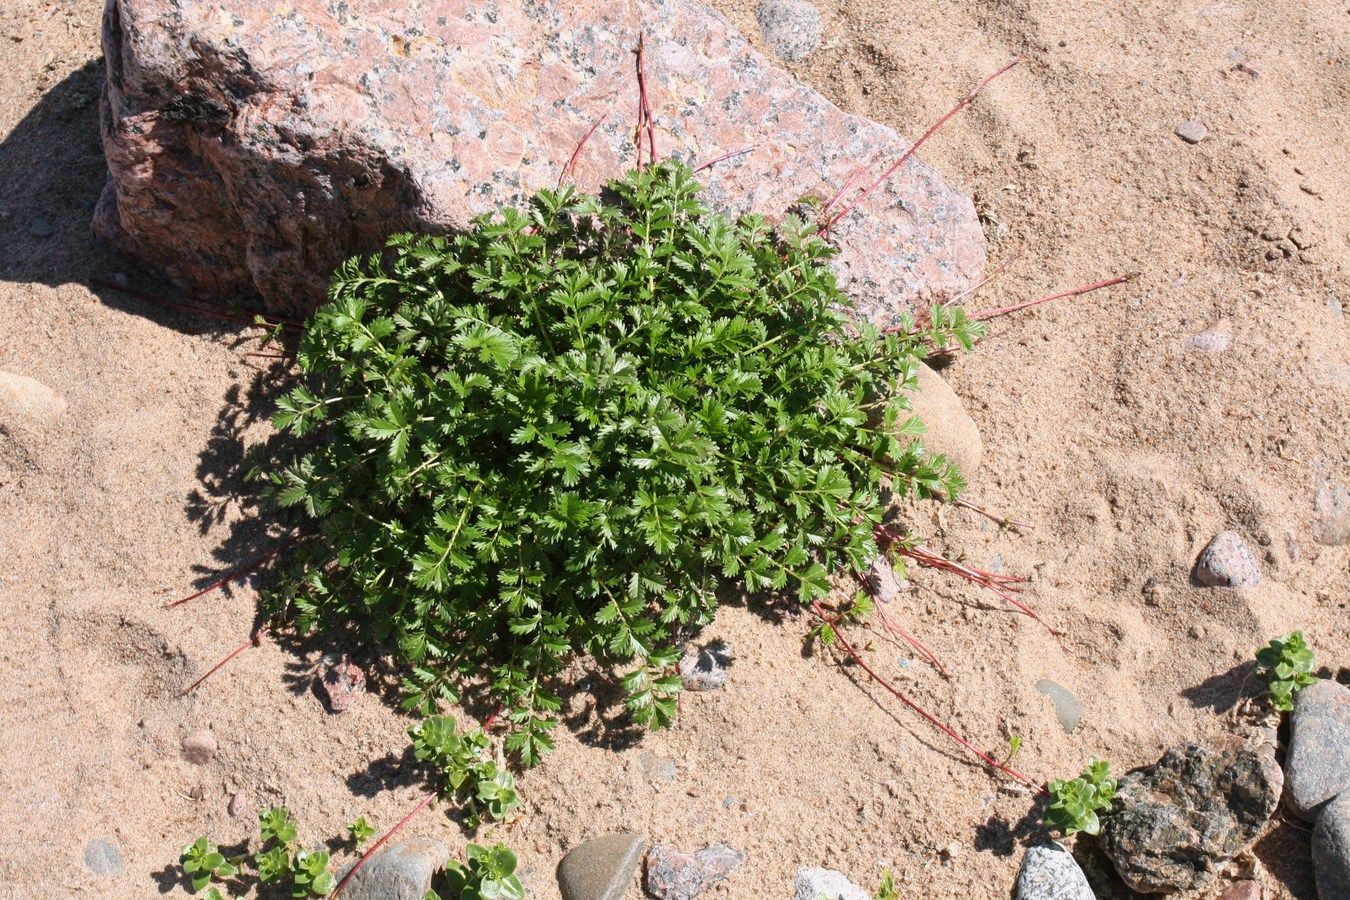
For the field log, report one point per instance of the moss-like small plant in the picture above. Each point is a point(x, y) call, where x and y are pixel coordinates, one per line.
point(361, 831)
point(887, 890)
point(1075, 805)
point(1285, 665)
point(465, 768)
point(562, 430)
point(488, 875)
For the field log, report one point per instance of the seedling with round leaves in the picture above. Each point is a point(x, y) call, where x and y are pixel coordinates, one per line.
point(489, 874)
point(464, 768)
point(1285, 665)
point(1075, 805)
point(203, 863)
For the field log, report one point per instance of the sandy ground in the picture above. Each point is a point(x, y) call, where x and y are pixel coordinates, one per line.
point(1126, 449)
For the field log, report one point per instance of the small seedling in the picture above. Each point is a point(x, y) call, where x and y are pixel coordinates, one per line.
point(1014, 745)
point(203, 862)
point(361, 831)
point(887, 889)
point(465, 768)
point(489, 875)
point(1285, 664)
point(310, 875)
point(1074, 805)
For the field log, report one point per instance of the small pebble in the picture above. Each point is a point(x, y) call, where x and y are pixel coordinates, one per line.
point(658, 769)
point(1049, 872)
point(102, 858)
point(1192, 131)
point(1209, 341)
point(238, 803)
point(343, 684)
point(881, 578)
point(1068, 708)
point(826, 884)
point(792, 28)
point(602, 868)
point(672, 875)
point(199, 746)
point(1227, 562)
point(1331, 514)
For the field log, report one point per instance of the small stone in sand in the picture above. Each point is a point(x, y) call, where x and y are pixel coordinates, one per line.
point(1209, 341)
point(658, 769)
point(102, 858)
point(1227, 562)
point(1049, 872)
point(199, 746)
point(602, 868)
point(1331, 508)
point(1192, 131)
point(238, 803)
point(705, 668)
point(343, 685)
point(672, 875)
point(815, 884)
point(1068, 708)
point(791, 27)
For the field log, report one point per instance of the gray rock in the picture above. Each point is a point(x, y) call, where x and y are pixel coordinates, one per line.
point(1068, 708)
point(199, 746)
point(1180, 820)
point(102, 858)
point(1227, 562)
point(672, 875)
point(41, 228)
point(1331, 515)
point(1192, 131)
point(882, 580)
point(1318, 763)
point(1049, 872)
point(238, 803)
point(602, 868)
point(1331, 849)
point(826, 884)
point(658, 769)
point(401, 871)
point(791, 27)
point(1209, 341)
point(705, 668)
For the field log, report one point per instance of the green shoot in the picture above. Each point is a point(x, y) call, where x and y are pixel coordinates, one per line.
point(1074, 805)
point(203, 862)
point(361, 831)
point(1285, 665)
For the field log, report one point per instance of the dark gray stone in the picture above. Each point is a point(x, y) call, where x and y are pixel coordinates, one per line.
point(1318, 764)
point(1177, 822)
point(1049, 872)
point(826, 884)
point(401, 871)
point(672, 875)
point(792, 28)
point(1331, 849)
point(705, 668)
point(41, 228)
point(1227, 562)
point(602, 868)
point(1068, 708)
point(102, 858)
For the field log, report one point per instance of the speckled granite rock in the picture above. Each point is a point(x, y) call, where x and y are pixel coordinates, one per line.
point(1331, 849)
point(1178, 821)
point(1049, 872)
point(252, 145)
point(1318, 762)
point(399, 871)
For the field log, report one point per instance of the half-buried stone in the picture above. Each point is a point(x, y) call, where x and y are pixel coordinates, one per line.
point(252, 146)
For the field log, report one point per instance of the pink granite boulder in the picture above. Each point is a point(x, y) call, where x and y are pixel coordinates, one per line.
point(253, 144)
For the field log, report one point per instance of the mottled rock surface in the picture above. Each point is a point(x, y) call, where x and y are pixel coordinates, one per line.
point(705, 668)
point(1331, 511)
point(401, 871)
point(1243, 890)
point(1178, 821)
point(103, 858)
point(672, 875)
point(951, 430)
point(1318, 762)
point(199, 746)
point(1331, 849)
point(826, 884)
point(1227, 562)
point(602, 868)
point(342, 685)
point(792, 28)
point(253, 145)
point(1049, 872)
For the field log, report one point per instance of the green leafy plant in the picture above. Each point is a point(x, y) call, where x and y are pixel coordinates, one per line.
point(279, 859)
point(465, 767)
point(203, 862)
point(1285, 664)
point(561, 430)
point(361, 831)
point(1075, 805)
point(488, 875)
point(887, 890)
